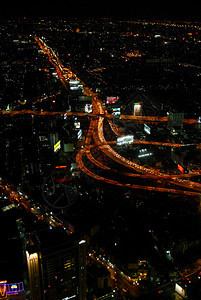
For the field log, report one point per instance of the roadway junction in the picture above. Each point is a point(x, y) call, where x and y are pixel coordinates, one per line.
point(95, 139)
point(159, 181)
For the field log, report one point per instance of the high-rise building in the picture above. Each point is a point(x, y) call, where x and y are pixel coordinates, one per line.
point(82, 269)
point(137, 109)
point(54, 138)
point(56, 267)
point(175, 120)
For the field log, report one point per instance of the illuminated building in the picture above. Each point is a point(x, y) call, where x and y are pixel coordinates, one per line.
point(56, 267)
point(34, 275)
point(54, 138)
point(175, 121)
point(180, 290)
point(136, 104)
point(137, 109)
point(122, 140)
point(82, 269)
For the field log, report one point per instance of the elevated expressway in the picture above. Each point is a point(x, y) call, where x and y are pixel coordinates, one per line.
point(180, 184)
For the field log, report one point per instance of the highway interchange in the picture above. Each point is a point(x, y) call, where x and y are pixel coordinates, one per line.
point(95, 139)
point(96, 130)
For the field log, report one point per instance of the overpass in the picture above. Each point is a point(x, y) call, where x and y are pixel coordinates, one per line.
point(179, 184)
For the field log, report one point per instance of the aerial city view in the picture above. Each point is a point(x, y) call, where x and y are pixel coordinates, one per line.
point(100, 165)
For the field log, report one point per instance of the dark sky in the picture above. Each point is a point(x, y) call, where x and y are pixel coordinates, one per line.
point(125, 9)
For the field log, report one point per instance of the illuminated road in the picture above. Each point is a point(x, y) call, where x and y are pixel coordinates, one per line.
point(19, 197)
point(120, 281)
point(141, 119)
point(96, 127)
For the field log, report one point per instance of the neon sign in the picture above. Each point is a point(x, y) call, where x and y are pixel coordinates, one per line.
point(60, 167)
point(10, 288)
point(111, 100)
point(127, 139)
point(57, 146)
point(180, 168)
point(3, 289)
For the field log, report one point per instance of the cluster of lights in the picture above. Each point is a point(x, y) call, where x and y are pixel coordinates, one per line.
point(144, 153)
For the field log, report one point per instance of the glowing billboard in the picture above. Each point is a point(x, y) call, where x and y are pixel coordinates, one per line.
point(147, 129)
point(79, 134)
point(180, 168)
point(116, 112)
point(76, 87)
point(137, 109)
point(180, 290)
point(74, 82)
point(88, 108)
point(10, 288)
point(57, 146)
point(60, 167)
point(14, 288)
point(127, 139)
point(111, 100)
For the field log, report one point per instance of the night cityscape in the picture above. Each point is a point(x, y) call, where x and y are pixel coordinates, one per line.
point(100, 165)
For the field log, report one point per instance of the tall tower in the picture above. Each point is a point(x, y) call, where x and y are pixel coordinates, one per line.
point(175, 121)
point(34, 275)
point(82, 269)
point(57, 267)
